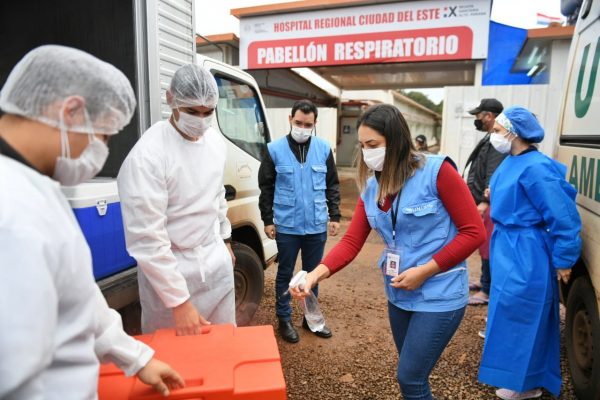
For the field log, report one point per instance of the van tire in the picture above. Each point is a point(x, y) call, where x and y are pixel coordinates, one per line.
point(583, 339)
point(249, 283)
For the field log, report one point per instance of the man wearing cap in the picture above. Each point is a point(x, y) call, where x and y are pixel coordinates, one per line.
point(481, 164)
point(175, 212)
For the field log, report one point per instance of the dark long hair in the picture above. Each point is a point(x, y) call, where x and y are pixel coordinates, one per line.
point(401, 156)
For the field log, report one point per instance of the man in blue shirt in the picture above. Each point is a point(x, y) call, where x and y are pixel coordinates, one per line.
point(299, 200)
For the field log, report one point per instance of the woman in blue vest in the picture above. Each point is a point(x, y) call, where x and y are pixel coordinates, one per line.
point(423, 211)
point(535, 240)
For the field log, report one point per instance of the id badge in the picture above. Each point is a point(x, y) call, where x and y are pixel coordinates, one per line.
point(391, 266)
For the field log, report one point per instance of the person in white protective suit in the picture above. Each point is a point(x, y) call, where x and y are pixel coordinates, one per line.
point(175, 212)
point(59, 107)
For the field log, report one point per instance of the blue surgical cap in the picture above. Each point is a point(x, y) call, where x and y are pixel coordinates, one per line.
point(521, 122)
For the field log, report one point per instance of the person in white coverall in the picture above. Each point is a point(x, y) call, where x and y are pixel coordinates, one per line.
point(175, 212)
point(59, 104)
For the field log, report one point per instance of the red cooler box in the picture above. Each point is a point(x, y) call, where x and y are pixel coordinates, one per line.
point(223, 362)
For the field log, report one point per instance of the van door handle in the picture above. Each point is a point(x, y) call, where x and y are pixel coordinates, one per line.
point(230, 192)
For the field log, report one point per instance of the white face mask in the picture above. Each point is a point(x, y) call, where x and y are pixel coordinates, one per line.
point(500, 142)
point(192, 125)
point(374, 158)
point(301, 135)
point(71, 172)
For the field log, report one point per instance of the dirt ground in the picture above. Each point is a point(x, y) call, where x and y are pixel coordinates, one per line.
point(359, 361)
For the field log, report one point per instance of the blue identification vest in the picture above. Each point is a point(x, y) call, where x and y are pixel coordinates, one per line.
point(423, 228)
point(300, 205)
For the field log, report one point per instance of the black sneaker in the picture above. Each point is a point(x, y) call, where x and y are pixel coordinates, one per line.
point(324, 333)
point(288, 332)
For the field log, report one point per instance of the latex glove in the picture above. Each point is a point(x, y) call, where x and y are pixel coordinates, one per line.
point(270, 231)
point(564, 274)
point(187, 320)
point(334, 228)
point(231, 252)
point(160, 376)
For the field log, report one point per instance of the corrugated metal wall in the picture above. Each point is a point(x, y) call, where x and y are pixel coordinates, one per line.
point(171, 23)
point(459, 136)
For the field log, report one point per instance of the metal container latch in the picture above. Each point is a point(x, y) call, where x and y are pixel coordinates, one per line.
point(101, 206)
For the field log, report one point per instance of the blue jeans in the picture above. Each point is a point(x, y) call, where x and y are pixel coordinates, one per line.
point(288, 246)
point(420, 338)
point(486, 278)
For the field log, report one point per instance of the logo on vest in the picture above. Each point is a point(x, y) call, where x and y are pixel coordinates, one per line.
point(421, 209)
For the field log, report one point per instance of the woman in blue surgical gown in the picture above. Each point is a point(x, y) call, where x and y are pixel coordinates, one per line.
point(535, 243)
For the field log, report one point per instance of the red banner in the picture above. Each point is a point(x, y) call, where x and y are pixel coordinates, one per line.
point(451, 43)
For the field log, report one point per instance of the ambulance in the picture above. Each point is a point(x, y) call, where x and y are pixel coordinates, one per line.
point(579, 149)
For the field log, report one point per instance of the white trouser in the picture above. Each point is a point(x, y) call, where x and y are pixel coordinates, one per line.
point(208, 272)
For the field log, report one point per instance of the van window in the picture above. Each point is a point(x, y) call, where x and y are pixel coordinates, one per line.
point(240, 116)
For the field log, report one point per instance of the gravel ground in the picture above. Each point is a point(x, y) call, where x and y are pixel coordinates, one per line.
point(359, 361)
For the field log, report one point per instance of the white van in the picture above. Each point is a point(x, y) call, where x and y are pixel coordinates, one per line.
point(241, 119)
point(579, 149)
point(148, 40)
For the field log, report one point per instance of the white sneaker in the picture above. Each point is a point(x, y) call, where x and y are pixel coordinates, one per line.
point(508, 394)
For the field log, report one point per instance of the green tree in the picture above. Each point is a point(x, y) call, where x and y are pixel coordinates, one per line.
point(423, 100)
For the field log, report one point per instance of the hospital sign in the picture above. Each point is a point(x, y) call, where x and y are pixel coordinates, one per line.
point(394, 32)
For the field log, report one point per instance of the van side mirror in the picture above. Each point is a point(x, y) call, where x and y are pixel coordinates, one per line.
point(585, 8)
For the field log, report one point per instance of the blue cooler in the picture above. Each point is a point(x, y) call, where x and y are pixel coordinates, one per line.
point(98, 210)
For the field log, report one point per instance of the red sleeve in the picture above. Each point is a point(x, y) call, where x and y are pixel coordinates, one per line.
point(347, 249)
point(459, 203)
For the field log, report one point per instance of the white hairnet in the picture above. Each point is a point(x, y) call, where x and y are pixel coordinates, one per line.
point(192, 86)
point(38, 85)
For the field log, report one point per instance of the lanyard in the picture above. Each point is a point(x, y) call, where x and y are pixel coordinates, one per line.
point(394, 214)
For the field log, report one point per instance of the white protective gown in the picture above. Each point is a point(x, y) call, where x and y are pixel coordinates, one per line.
point(175, 216)
point(54, 323)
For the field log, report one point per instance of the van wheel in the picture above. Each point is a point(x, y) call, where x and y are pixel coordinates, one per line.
point(583, 339)
point(249, 283)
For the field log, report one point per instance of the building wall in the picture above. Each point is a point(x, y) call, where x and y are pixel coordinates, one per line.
point(378, 96)
point(459, 136)
point(228, 54)
point(420, 122)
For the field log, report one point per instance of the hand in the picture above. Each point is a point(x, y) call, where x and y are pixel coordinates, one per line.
point(160, 376)
point(334, 228)
point(410, 279)
point(312, 278)
point(564, 274)
point(231, 252)
point(270, 231)
point(482, 207)
point(486, 194)
point(187, 320)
